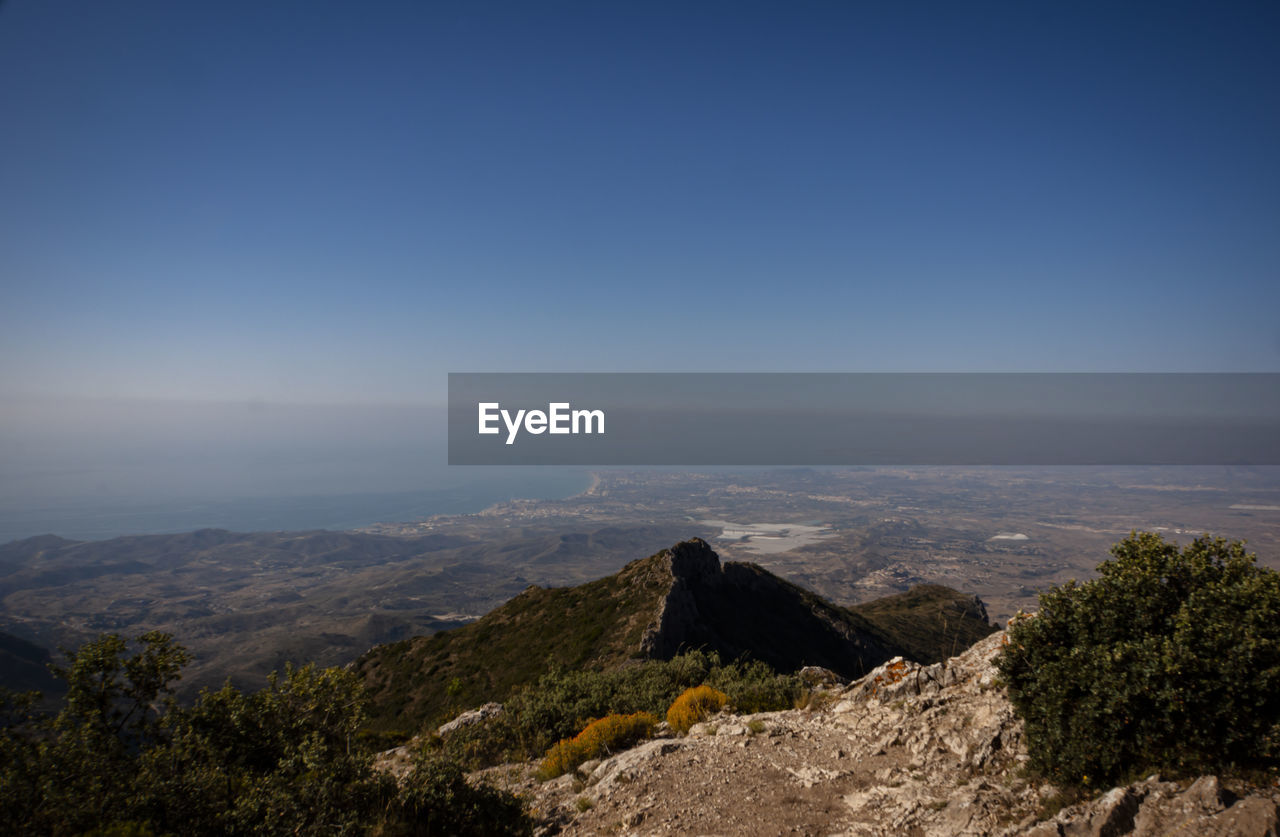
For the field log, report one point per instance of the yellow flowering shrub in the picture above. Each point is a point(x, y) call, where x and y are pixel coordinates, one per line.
point(693, 705)
point(599, 738)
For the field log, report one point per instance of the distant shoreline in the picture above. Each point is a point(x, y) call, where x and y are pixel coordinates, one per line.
point(88, 518)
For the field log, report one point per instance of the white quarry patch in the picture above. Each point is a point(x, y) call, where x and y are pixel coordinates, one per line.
point(769, 538)
point(1010, 536)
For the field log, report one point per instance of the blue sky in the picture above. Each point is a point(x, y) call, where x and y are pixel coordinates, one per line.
point(341, 202)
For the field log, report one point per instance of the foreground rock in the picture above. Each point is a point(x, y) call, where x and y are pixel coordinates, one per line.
point(905, 750)
point(1153, 807)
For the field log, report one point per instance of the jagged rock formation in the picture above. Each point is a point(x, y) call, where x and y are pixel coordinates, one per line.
point(1153, 808)
point(742, 610)
point(933, 751)
point(680, 599)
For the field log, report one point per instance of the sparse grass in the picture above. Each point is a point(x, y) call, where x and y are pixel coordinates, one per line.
point(755, 726)
point(583, 804)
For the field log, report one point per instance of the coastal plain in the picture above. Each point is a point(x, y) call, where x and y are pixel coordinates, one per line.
point(247, 603)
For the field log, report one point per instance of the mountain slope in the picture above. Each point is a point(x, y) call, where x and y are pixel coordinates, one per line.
point(24, 667)
point(929, 622)
point(679, 599)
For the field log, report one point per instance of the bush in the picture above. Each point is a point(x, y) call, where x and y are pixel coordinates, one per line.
point(694, 705)
point(436, 799)
point(562, 702)
point(284, 759)
point(600, 738)
point(1168, 661)
point(754, 687)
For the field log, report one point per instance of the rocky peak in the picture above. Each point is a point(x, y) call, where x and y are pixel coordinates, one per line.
point(741, 610)
point(693, 561)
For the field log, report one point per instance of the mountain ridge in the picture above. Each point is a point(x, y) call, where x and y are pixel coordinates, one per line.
point(679, 599)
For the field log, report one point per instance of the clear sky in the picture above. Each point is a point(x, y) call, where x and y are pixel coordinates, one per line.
point(342, 202)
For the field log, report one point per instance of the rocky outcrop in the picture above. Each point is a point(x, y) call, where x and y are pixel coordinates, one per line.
point(1153, 808)
point(741, 610)
point(934, 751)
point(470, 717)
point(690, 563)
point(943, 745)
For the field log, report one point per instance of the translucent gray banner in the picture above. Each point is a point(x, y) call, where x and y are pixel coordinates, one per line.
point(864, 419)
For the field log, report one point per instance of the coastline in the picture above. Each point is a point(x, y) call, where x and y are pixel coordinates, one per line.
point(88, 518)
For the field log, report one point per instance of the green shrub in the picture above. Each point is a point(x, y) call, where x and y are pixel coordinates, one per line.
point(599, 738)
point(754, 687)
point(483, 744)
point(436, 799)
point(693, 706)
point(120, 760)
point(1168, 661)
point(562, 702)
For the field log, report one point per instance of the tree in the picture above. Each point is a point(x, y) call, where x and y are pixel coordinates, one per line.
point(285, 759)
point(1169, 660)
point(121, 697)
point(121, 758)
point(72, 773)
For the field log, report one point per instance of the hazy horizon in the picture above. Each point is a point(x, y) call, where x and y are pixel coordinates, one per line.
point(92, 468)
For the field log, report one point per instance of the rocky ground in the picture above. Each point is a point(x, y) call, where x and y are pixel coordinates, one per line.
point(906, 750)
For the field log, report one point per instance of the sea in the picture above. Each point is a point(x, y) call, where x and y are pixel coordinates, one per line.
point(91, 469)
point(98, 516)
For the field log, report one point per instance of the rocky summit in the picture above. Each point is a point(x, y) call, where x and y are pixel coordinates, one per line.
point(907, 749)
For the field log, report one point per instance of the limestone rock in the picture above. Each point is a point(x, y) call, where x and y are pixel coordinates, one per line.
point(471, 716)
point(933, 751)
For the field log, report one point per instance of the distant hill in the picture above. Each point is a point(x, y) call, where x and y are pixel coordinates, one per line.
point(679, 599)
point(930, 622)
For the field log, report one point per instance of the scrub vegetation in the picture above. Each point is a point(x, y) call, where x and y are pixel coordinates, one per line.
point(1169, 661)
